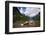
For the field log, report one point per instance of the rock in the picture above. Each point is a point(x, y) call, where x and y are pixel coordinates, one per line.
point(22, 24)
point(32, 22)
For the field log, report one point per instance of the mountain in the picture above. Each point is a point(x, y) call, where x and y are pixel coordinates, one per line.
point(17, 16)
point(37, 17)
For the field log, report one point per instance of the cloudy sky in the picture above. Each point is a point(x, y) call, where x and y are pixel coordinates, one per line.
point(29, 11)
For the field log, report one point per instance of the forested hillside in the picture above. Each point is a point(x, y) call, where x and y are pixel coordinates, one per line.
point(17, 16)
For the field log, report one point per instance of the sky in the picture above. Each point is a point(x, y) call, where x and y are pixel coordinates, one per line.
point(29, 11)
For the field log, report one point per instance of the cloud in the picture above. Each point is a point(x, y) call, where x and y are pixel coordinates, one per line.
point(30, 11)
